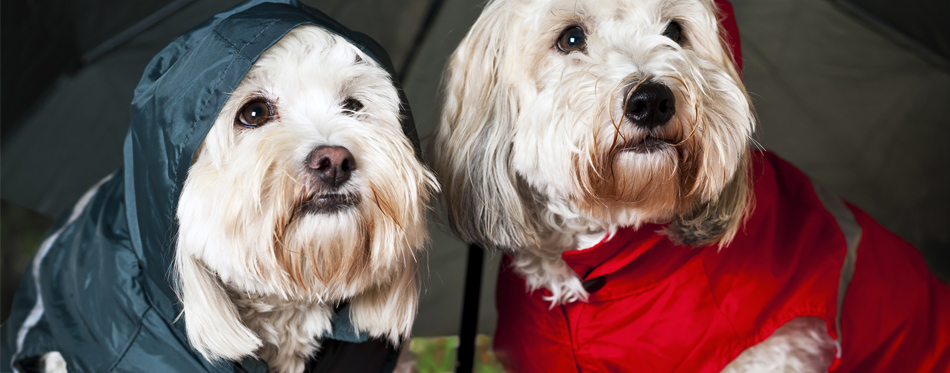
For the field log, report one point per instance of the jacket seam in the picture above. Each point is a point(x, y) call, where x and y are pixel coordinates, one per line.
point(240, 51)
point(715, 299)
point(135, 336)
point(229, 44)
point(574, 335)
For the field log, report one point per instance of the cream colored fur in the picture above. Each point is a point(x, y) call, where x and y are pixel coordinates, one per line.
point(800, 346)
point(529, 136)
point(53, 362)
point(533, 144)
point(256, 275)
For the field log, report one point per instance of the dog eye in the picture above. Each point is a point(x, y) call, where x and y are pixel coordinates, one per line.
point(352, 105)
point(572, 39)
point(255, 113)
point(674, 31)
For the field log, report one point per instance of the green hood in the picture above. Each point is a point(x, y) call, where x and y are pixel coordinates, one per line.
point(99, 290)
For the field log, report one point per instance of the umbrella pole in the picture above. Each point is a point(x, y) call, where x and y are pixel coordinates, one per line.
point(465, 355)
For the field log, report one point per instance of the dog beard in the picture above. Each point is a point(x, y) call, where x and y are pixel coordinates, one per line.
point(619, 181)
point(329, 250)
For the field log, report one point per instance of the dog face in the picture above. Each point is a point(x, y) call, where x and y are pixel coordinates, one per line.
point(578, 115)
point(305, 188)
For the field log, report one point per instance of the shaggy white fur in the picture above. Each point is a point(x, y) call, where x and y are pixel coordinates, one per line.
point(53, 362)
point(566, 119)
point(536, 147)
point(800, 346)
point(276, 232)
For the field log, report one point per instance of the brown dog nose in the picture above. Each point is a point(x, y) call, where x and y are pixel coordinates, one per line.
point(332, 164)
point(651, 105)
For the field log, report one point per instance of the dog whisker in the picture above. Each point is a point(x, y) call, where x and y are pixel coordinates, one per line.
point(755, 143)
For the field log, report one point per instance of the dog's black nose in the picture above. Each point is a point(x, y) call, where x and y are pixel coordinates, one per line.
point(332, 164)
point(651, 105)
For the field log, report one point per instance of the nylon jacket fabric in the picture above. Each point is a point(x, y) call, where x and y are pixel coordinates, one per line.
point(729, 30)
point(100, 288)
point(659, 307)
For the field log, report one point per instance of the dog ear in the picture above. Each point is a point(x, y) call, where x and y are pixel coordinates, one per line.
point(388, 308)
point(212, 323)
point(472, 147)
point(718, 220)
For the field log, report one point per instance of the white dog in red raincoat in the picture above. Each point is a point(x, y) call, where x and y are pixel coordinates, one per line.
point(606, 145)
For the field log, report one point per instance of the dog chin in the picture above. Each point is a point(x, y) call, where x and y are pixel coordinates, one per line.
point(326, 254)
point(641, 185)
point(648, 146)
point(330, 203)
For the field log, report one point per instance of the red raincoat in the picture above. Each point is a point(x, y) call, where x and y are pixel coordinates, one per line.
point(658, 307)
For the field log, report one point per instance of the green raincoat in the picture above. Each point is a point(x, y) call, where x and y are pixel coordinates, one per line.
point(99, 290)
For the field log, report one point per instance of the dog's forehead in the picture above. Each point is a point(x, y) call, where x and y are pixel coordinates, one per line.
point(312, 59)
point(624, 11)
point(310, 48)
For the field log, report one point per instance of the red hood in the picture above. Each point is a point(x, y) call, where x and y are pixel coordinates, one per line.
point(730, 31)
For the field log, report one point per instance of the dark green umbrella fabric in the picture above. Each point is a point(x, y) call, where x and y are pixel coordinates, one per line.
point(99, 289)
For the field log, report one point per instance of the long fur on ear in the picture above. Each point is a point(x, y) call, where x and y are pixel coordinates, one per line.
point(472, 147)
point(211, 321)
